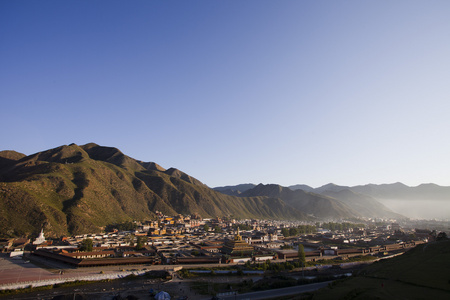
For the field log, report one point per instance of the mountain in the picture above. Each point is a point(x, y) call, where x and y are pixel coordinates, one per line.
point(329, 201)
point(331, 187)
point(420, 273)
point(304, 187)
point(79, 189)
point(8, 157)
point(310, 203)
point(400, 191)
point(426, 201)
point(234, 190)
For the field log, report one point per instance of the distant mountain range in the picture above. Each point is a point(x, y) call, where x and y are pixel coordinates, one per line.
point(327, 204)
point(371, 200)
point(388, 191)
point(381, 191)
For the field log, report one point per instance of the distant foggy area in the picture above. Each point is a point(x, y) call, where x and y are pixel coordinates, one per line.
point(419, 209)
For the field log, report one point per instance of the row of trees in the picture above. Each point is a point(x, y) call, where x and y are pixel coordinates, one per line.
point(268, 265)
point(242, 227)
point(340, 226)
point(217, 228)
point(302, 229)
point(125, 226)
point(87, 244)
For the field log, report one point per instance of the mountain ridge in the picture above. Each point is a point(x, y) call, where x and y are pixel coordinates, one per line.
point(331, 205)
point(424, 201)
point(75, 189)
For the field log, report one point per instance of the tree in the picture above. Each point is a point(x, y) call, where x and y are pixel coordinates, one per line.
point(206, 227)
point(441, 236)
point(242, 227)
point(293, 231)
point(141, 240)
point(217, 229)
point(301, 255)
point(301, 258)
point(86, 245)
point(284, 247)
point(130, 239)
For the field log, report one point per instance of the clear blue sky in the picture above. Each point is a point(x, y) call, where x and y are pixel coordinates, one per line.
point(286, 92)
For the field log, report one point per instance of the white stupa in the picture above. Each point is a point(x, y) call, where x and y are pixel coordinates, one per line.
point(40, 239)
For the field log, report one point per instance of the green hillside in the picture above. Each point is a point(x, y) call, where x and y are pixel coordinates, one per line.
point(78, 189)
point(421, 273)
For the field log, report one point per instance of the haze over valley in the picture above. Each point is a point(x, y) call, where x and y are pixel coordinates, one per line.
point(420, 209)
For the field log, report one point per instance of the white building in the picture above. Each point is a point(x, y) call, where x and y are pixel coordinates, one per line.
point(40, 239)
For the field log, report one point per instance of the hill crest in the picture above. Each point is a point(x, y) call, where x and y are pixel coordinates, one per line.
point(75, 189)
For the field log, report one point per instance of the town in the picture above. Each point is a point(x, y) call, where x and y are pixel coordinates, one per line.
point(172, 248)
point(192, 240)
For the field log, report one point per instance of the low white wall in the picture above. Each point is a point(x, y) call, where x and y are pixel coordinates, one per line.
point(241, 260)
point(25, 284)
point(16, 253)
point(263, 258)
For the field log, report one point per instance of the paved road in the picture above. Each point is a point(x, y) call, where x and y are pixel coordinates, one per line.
point(278, 292)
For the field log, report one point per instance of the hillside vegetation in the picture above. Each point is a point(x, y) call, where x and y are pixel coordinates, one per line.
point(421, 273)
point(79, 189)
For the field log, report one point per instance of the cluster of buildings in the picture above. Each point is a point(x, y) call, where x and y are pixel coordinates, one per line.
point(192, 240)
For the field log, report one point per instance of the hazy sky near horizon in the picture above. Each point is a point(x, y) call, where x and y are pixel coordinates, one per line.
point(230, 92)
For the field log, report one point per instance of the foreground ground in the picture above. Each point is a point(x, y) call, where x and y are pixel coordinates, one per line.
point(197, 287)
point(422, 273)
